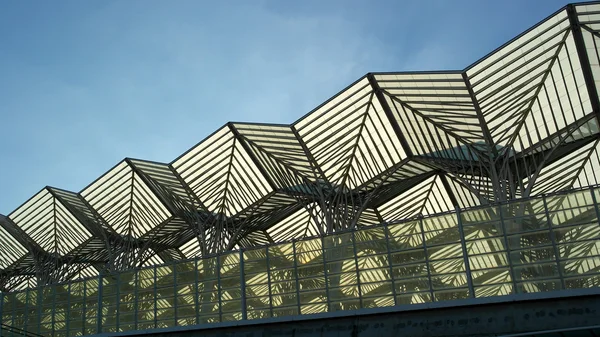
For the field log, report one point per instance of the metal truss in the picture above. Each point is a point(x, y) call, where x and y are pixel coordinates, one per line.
point(522, 121)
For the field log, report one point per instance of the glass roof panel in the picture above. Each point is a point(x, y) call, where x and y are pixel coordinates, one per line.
point(222, 174)
point(426, 138)
point(562, 173)
point(27, 282)
point(427, 197)
point(162, 174)
point(297, 225)
point(464, 196)
point(589, 17)
point(590, 173)
point(591, 40)
point(191, 248)
point(481, 184)
point(86, 272)
point(125, 202)
point(50, 224)
point(280, 143)
point(562, 99)
point(407, 170)
point(506, 82)
point(11, 250)
point(442, 99)
point(350, 137)
point(73, 201)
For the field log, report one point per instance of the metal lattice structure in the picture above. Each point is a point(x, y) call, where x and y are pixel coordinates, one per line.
point(522, 121)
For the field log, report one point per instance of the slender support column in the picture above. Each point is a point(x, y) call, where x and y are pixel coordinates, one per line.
point(511, 264)
point(390, 264)
point(595, 201)
point(155, 291)
point(325, 273)
point(296, 275)
point(27, 301)
point(465, 254)
point(12, 311)
point(360, 299)
point(67, 310)
point(596, 207)
point(39, 315)
point(99, 314)
point(243, 287)
point(53, 288)
point(269, 281)
point(136, 302)
point(84, 308)
point(1, 307)
point(118, 302)
point(218, 266)
point(175, 299)
point(554, 243)
point(196, 293)
point(432, 298)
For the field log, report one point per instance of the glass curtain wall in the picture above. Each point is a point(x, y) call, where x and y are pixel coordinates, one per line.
point(537, 245)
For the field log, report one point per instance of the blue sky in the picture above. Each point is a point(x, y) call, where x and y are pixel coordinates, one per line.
point(84, 84)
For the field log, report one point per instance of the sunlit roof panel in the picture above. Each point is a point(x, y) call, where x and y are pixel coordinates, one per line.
point(350, 136)
point(507, 82)
point(163, 176)
point(125, 202)
point(562, 100)
point(426, 138)
point(297, 225)
point(441, 98)
point(589, 20)
point(428, 197)
point(222, 174)
point(279, 151)
point(11, 250)
point(562, 173)
point(50, 224)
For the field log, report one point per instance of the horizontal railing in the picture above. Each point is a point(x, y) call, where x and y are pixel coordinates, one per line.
point(526, 246)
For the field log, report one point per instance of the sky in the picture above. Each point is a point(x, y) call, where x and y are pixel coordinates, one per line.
point(84, 84)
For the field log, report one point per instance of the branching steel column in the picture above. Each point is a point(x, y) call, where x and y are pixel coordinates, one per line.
point(41, 258)
point(492, 154)
point(109, 245)
point(192, 195)
point(165, 200)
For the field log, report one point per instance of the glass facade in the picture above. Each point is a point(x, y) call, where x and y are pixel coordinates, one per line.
point(526, 246)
